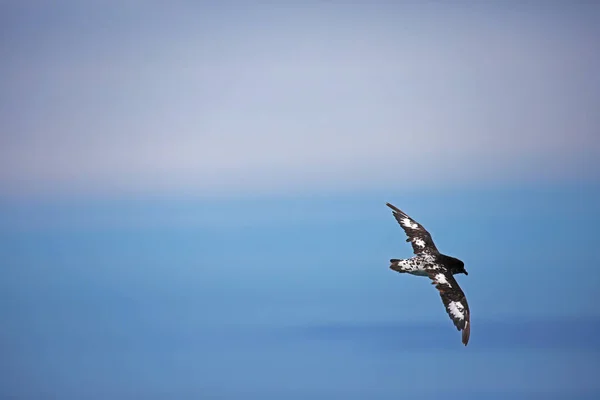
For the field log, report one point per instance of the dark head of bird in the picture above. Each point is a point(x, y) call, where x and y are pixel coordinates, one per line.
point(455, 265)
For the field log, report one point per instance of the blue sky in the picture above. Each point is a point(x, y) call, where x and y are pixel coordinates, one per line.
point(192, 199)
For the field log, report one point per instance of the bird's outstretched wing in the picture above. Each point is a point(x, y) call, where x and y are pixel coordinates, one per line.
point(453, 298)
point(418, 236)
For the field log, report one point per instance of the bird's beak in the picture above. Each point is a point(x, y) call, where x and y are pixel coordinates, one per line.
point(466, 273)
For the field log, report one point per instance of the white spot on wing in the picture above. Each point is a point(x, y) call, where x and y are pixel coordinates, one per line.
point(420, 242)
point(441, 279)
point(456, 309)
point(407, 222)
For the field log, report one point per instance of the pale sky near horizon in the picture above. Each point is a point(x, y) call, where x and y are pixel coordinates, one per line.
point(137, 97)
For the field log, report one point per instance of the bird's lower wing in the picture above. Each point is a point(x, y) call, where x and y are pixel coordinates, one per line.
point(453, 298)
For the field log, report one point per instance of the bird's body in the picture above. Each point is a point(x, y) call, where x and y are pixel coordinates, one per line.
point(440, 268)
point(419, 264)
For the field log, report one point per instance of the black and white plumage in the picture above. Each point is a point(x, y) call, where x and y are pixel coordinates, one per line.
point(440, 268)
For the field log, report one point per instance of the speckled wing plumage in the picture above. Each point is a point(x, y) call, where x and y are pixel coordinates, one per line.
point(417, 235)
point(453, 298)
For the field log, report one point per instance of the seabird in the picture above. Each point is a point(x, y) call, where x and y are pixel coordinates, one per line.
point(440, 268)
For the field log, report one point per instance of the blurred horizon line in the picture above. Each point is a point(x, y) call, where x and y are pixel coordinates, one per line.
point(321, 191)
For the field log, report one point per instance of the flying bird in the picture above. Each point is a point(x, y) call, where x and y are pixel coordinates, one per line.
point(440, 268)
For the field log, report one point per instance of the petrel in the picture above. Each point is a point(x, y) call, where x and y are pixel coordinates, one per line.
point(440, 268)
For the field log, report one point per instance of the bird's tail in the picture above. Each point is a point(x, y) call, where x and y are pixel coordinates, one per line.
point(396, 265)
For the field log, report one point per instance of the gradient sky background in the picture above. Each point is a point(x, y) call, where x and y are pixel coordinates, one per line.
point(192, 198)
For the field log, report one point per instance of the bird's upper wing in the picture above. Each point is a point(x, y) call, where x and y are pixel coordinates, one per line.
point(453, 298)
point(418, 236)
